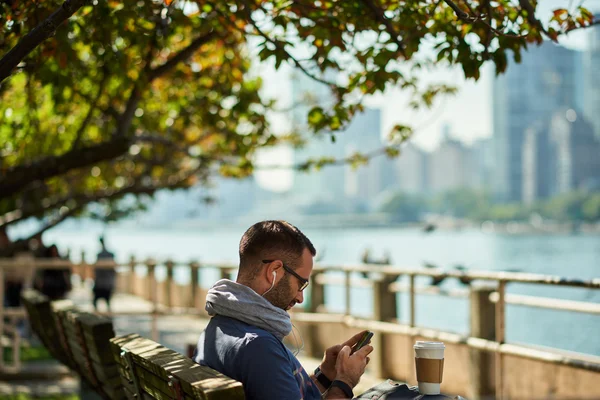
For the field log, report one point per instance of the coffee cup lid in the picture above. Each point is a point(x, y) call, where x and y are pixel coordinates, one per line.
point(429, 345)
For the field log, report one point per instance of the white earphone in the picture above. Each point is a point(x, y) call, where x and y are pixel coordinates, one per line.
point(272, 284)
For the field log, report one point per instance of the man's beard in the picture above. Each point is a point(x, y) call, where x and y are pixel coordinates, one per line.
point(281, 296)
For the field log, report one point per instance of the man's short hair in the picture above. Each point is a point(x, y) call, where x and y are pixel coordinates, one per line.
point(272, 240)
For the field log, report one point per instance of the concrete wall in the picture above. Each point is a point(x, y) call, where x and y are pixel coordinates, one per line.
point(523, 378)
point(532, 379)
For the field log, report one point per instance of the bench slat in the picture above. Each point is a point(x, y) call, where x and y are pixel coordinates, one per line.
point(155, 366)
point(43, 324)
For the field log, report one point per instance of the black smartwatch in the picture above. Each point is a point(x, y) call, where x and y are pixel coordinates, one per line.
point(344, 387)
point(323, 380)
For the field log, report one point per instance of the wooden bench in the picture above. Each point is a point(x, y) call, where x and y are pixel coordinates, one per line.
point(123, 367)
point(40, 312)
point(77, 339)
point(152, 371)
point(87, 336)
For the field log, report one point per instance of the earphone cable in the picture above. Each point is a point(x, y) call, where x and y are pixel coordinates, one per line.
point(301, 346)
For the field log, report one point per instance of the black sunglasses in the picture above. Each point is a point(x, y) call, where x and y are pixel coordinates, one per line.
point(303, 282)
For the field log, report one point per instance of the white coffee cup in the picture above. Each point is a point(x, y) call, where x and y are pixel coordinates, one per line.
point(429, 362)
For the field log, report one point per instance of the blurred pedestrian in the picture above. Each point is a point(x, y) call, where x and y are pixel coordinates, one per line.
point(54, 282)
point(13, 281)
point(104, 278)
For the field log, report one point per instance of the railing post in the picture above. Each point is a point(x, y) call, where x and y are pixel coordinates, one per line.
point(83, 271)
point(317, 302)
point(225, 273)
point(413, 299)
point(169, 283)
point(384, 300)
point(483, 325)
point(194, 282)
point(348, 286)
point(132, 276)
point(500, 320)
point(151, 265)
point(385, 310)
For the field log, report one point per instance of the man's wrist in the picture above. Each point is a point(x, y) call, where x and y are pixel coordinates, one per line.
point(322, 378)
point(344, 387)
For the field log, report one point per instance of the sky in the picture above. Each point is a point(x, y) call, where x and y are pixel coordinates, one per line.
point(468, 113)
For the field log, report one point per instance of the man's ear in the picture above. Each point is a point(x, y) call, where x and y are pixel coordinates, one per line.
point(272, 268)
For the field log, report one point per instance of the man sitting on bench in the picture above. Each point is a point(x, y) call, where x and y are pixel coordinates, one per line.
point(243, 339)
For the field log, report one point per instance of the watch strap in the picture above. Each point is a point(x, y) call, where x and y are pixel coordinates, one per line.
point(344, 388)
point(323, 380)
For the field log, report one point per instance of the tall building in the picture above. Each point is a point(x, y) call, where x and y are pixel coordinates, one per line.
point(481, 164)
point(449, 166)
point(334, 184)
point(327, 184)
point(363, 135)
point(576, 153)
point(538, 163)
point(411, 170)
point(528, 92)
point(591, 75)
point(560, 156)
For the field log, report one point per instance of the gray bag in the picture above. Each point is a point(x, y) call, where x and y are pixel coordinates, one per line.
point(391, 390)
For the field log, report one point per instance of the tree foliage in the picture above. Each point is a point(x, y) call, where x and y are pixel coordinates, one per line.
point(131, 97)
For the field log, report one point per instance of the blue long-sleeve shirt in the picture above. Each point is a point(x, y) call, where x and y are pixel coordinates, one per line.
point(256, 358)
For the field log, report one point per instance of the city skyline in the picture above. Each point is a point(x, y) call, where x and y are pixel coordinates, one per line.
point(469, 113)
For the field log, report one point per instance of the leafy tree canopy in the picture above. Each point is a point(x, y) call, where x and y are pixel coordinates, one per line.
point(102, 98)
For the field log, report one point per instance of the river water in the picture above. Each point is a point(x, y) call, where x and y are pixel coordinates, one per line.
point(573, 256)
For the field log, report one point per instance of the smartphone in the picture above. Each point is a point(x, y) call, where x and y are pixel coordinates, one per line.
point(362, 342)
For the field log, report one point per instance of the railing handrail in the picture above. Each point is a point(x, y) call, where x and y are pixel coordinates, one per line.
point(388, 270)
point(512, 277)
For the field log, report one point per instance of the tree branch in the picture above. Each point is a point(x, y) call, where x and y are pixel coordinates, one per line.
point(108, 110)
point(16, 178)
point(37, 36)
point(380, 16)
point(88, 117)
point(461, 15)
point(22, 244)
point(124, 121)
point(597, 22)
point(173, 181)
point(457, 10)
point(37, 210)
point(306, 165)
point(182, 55)
point(282, 48)
point(526, 5)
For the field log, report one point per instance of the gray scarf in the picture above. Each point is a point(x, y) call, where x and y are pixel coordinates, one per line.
point(234, 300)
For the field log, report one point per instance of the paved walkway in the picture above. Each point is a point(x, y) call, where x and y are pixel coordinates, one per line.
point(175, 332)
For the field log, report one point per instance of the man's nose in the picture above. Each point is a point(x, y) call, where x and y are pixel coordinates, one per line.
point(299, 298)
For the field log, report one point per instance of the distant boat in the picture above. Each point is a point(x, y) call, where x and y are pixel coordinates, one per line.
point(367, 259)
point(465, 280)
point(429, 228)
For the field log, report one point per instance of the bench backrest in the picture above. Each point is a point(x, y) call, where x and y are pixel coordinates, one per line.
point(78, 339)
point(152, 371)
point(40, 313)
point(88, 337)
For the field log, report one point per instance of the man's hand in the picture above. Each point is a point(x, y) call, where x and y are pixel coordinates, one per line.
point(331, 356)
point(350, 367)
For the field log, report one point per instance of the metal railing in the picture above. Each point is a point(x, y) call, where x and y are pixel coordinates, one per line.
point(383, 280)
